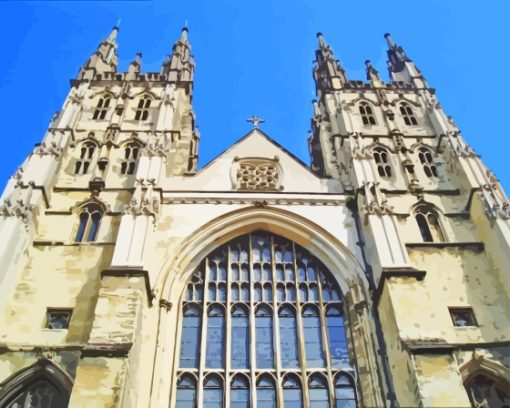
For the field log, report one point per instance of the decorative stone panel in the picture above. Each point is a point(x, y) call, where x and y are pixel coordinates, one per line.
point(254, 173)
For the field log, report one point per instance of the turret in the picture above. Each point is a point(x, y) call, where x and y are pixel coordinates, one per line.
point(179, 66)
point(401, 67)
point(103, 60)
point(327, 71)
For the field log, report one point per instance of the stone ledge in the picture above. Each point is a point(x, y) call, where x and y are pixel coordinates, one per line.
point(392, 272)
point(473, 246)
point(106, 349)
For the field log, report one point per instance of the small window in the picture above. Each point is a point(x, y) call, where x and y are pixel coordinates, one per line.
point(426, 161)
point(57, 319)
point(90, 217)
point(428, 223)
point(382, 161)
point(408, 115)
point(102, 108)
point(366, 113)
point(142, 111)
point(87, 151)
point(131, 153)
point(463, 317)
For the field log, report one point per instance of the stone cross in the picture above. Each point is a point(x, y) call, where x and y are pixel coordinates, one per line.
point(255, 120)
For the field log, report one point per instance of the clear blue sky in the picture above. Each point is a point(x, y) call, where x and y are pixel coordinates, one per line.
point(255, 57)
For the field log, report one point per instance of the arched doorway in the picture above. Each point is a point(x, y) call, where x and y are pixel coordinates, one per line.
point(263, 309)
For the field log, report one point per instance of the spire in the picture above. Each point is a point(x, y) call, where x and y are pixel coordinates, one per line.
point(327, 71)
point(103, 60)
point(401, 67)
point(396, 55)
point(180, 66)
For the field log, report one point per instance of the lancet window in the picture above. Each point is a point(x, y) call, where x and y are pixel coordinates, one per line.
point(102, 107)
point(426, 161)
point(382, 161)
point(408, 115)
point(263, 317)
point(142, 111)
point(87, 151)
point(90, 218)
point(367, 116)
point(131, 153)
point(428, 223)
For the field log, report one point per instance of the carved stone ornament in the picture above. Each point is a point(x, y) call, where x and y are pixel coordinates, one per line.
point(257, 174)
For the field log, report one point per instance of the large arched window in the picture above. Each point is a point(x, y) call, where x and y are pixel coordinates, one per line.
point(367, 116)
point(428, 223)
point(142, 110)
point(427, 162)
point(90, 217)
point(382, 161)
point(39, 386)
point(87, 151)
point(131, 153)
point(271, 312)
point(102, 107)
point(408, 115)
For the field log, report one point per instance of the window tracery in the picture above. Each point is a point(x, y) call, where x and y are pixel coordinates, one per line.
point(427, 162)
point(90, 217)
point(87, 151)
point(257, 174)
point(102, 107)
point(407, 114)
point(128, 164)
point(253, 313)
point(382, 161)
point(142, 110)
point(367, 116)
point(428, 223)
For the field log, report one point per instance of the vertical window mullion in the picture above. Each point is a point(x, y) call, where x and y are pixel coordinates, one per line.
point(276, 326)
point(253, 338)
point(228, 330)
point(203, 340)
point(325, 341)
point(300, 331)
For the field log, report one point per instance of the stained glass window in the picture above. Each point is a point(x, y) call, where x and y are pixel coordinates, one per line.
point(269, 306)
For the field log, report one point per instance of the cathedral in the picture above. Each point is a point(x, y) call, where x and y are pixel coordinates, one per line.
point(377, 276)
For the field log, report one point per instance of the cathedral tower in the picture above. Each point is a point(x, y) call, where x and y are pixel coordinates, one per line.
point(433, 223)
point(377, 276)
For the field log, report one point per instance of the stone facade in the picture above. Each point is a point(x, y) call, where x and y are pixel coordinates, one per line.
point(105, 222)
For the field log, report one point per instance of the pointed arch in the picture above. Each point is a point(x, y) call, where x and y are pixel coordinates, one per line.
point(429, 222)
point(86, 154)
point(485, 379)
point(210, 241)
point(90, 214)
point(334, 254)
point(367, 113)
point(45, 377)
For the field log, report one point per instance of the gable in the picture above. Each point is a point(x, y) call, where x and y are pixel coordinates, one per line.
point(253, 164)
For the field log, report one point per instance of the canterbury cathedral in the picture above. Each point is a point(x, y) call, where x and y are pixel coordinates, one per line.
point(375, 276)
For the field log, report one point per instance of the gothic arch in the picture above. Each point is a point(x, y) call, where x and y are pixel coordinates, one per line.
point(43, 371)
point(334, 254)
point(172, 281)
point(491, 370)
